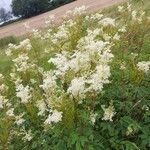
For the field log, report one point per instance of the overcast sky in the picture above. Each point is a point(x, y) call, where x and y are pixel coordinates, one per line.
point(5, 4)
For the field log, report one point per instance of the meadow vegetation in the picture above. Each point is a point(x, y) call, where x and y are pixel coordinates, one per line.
point(82, 85)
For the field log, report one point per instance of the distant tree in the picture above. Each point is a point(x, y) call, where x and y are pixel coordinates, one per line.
point(60, 2)
point(4, 15)
point(27, 8)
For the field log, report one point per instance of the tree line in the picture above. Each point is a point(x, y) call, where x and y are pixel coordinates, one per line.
point(29, 8)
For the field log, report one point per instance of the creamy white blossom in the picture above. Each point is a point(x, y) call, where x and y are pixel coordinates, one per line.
point(121, 8)
point(28, 136)
point(10, 112)
point(49, 82)
point(61, 63)
point(55, 117)
point(108, 112)
point(41, 107)
point(1, 77)
point(1, 101)
point(19, 119)
point(144, 66)
point(21, 62)
point(108, 22)
point(99, 78)
point(77, 88)
point(23, 92)
point(93, 117)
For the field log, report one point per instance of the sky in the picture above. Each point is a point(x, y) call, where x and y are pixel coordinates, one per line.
point(5, 4)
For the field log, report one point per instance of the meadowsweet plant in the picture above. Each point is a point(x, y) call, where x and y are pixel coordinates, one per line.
point(82, 85)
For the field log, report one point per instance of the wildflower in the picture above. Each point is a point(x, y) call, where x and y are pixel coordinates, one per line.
point(146, 108)
point(120, 8)
point(61, 63)
point(26, 43)
point(1, 101)
point(81, 61)
point(108, 112)
point(21, 63)
point(129, 7)
point(33, 81)
point(134, 55)
point(42, 107)
point(77, 88)
point(19, 119)
point(97, 16)
point(93, 117)
point(123, 66)
point(143, 66)
point(55, 117)
point(123, 29)
point(129, 130)
point(28, 136)
point(99, 78)
point(1, 77)
point(36, 33)
point(106, 57)
point(3, 88)
point(93, 17)
point(107, 21)
point(61, 34)
point(23, 93)
point(116, 37)
point(10, 112)
point(8, 52)
point(49, 82)
point(134, 15)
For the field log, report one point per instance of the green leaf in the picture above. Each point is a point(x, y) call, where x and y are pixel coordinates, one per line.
point(61, 146)
point(130, 145)
point(78, 146)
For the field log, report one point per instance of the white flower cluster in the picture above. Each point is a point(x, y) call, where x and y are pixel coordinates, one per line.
point(37, 33)
point(108, 112)
point(49, 82)
point(90, 52)
point(94, 17)
point(28, 136)
point(77, 88)
point(144, 66)
point(24, 45)
point(107, 22)
point(41, 107)
point(93, 117)
point(21, 62)
point(24, 93)
point(54, 117)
